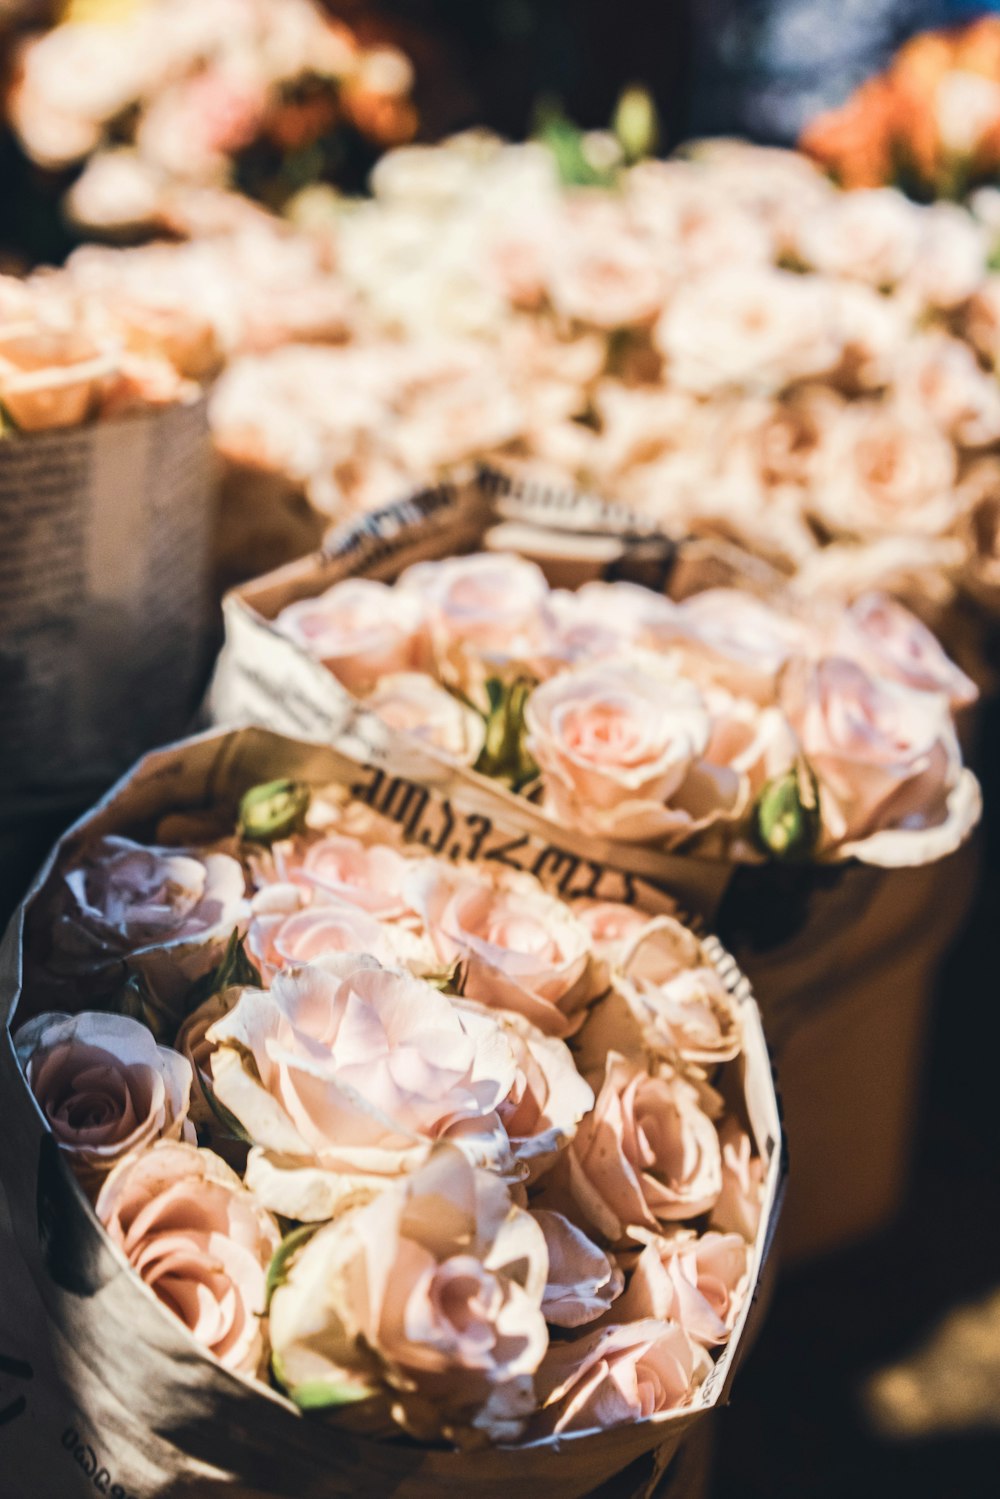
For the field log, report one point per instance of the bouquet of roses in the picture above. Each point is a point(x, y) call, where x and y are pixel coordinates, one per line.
point(424, 1144)
point(723, 725)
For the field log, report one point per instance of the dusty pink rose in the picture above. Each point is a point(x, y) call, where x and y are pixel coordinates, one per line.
point(603, 619)
point(520, 948)
point(413, 703)
point(104, 1086)
point(166, 911)
point(486, 601)
point(582, 1281)
point(891, 642)
point(361, 630)
point(344, 1072)
point(620, 746)
point(739, 1204)
point(647, 1154)
point(698, 1280)
point(885, 755)
point(429, 1300)
point(616, 1375)
point(200, 1241)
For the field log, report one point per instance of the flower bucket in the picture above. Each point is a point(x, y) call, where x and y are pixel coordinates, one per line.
point(101, 1388)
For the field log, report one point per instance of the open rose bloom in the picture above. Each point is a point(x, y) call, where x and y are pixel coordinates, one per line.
point(722, 726)
point(428, 1145)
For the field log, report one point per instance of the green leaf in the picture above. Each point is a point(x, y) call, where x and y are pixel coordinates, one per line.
point(276, 1270)
point(567, 143)
point(136, 1000)
point(786, 820)
point(234, 970)
point(318, 1394)
point(273, 810)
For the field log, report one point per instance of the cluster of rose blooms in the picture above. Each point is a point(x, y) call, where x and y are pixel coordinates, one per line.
point(723, 723)
point(67, 358)
point(420, 1141)
point(173, 97)
point(929, 123)
point(727, 343)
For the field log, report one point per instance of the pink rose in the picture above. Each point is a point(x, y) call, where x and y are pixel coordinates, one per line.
point(370, 876)
point(412, 703)
point(620, 748)
point(616, 1375)
point(738, 1207)
point(736, 641)
point(361, 630)
point(104, 1087)
point(611, 924)
point(602, 619)
point(488, 602)
point(647, 1154)
point(425, 1303)
point(344, 1072)
point(200, 1242)
point(165, 912)
point(698, 1280)
point(284, 933)
point(520, 948)
point(885, 755)
point(582, 1280)
point(889, 641)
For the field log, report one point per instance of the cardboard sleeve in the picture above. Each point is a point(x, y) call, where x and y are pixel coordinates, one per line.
point(99, 1382)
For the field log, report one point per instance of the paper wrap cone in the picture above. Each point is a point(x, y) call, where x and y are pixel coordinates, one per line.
point(103, 1389)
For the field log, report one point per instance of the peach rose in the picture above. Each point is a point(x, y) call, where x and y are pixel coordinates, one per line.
point(486, 602)
point(520, 948)
point(615, 1375)
point(104, 1087)
point(889, 641)
point(942, 377)
point(344, 1072)
point(738, 1207)
point(881, 470)
point(610, 923)
point(867, 235)
point(620, 746)
point(413, 703)
point(164, 912)
point(647, 1154)
point(201, 1243)
point(886, 756)
point(426, 1301)
point(951, 258)
point(607, 281)
point(698, 1280)
point(361, 630)
point(681, 1005)
point(750, 328)
point(737, 641)
point(582, 1281)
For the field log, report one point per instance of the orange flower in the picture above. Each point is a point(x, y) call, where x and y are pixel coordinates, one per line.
point(855, 142)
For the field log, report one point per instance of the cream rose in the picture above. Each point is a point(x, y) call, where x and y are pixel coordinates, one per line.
point(427, 1301)
point(345, 1072)
point(940, 377)
point(750, 328)
point(738, 1207)
point(886, 756)
point(520, 948)
point(607, 281)
point(582, 1280)
point(647, 1154)
point(682, 1007)
point(104, 1087)
point(891, 642)
point(867, 235)
point(413, 703)
point(200, 1242)
point(881, 470)
point(616, 1375)
point(699, 1280)
point(361, 630)
point(620, 746)
point(164, 912)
